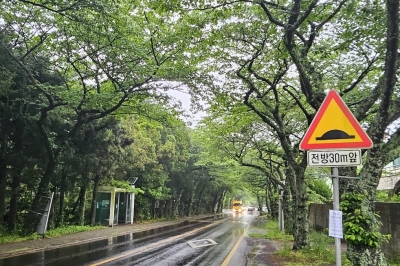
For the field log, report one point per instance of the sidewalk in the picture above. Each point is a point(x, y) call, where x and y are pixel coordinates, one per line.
point(259, 251)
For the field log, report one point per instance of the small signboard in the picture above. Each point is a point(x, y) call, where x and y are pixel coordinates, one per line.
point(42, 227)
point(335, 224)
point(339, 158)
point(334, 127)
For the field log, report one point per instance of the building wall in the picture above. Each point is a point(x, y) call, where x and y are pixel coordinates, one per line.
point(389, 215)
point(388, 182)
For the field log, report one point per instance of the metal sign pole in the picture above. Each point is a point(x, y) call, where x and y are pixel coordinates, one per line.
point(335, 178)
point(280, 213)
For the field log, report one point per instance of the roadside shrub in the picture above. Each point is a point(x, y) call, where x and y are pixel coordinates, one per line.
point(321, 246)
point(71, 230)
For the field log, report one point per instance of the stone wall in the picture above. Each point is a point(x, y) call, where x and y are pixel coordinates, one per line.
point(319, 215)
point(390, 218)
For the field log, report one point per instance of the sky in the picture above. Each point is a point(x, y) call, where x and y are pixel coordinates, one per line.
point(185, 99)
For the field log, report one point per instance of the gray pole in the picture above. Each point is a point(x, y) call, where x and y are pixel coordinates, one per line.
point(335, 177)
point(280, 214)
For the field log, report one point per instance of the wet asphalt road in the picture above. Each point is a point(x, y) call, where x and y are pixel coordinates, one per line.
point(190, 243)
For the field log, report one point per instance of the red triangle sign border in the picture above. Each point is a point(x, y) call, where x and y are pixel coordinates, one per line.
point(333, 95)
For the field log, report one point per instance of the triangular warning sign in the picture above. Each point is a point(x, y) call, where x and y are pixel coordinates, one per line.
point(334, 127)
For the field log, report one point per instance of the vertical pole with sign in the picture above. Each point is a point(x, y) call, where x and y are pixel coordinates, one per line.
point(334, 139)
point(338, 248)
point(281, 218)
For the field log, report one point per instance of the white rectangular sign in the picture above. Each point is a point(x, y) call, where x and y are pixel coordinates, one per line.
point(335, 224)
point(334, 158)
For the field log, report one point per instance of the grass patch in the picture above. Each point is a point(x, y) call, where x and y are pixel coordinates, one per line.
point(271, 224)
point(395, 262)
point(286, 251)
point(257, 235)
point(274, 232)
point(16, 238)
point(6, 237)
point(71, 230)
point(321, 251)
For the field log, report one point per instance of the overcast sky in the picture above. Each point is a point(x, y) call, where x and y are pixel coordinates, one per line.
point(184, 98)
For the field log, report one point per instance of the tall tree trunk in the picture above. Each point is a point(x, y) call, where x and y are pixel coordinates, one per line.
point(189, 205)
point(63, 189)
point(220, 201)
point(13, 211)
point(153, 209)
point(298, 221)
point(301, 226)
point(215, 200)
point(17, 138)
point(289, 200)
point(3, 183)
point(270, 203)
point(73, 212)
point(179, 203)
point(82, 197)
point(287, 206)
point(176, 204)
point(94, 195)
point(82, 205)
point(259, 202)
point(3, 178)
point(199, 200)
point(166, 210)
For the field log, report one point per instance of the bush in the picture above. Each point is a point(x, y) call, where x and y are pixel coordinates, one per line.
point(6, 237)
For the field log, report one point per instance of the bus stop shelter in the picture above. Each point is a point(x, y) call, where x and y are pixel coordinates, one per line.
point(114, 206)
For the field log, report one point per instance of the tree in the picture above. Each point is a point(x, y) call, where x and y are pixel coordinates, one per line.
point(104, 55)
point(245, 139)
